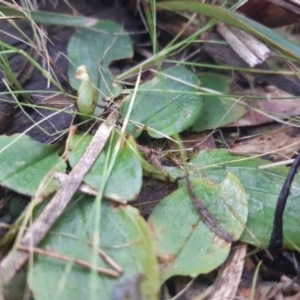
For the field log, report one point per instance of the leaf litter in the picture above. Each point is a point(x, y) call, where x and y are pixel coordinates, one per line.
point(175, 101)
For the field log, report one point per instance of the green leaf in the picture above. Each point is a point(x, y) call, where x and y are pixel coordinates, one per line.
point(125, 180)
point(184, 244)
point(263, 188)
point(218, 110)
point(25, 163)
point(96, 47)
point(271, 37)
point(124, 237)
point(168, 103)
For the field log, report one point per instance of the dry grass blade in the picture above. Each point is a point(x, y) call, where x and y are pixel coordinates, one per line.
point(60, 256)
point(12, 18)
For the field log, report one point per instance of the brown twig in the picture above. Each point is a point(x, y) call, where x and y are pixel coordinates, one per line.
point(80, 262)
point(14, 260)
point(110, 261)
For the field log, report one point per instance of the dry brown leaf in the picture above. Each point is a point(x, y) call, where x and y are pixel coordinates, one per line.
point(264, 111)
point(227, 282)
point(277, 291)
point(286, 289)
point(286, 139)
point(272, 13)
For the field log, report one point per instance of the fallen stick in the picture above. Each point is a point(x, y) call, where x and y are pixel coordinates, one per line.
point(15, 259)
